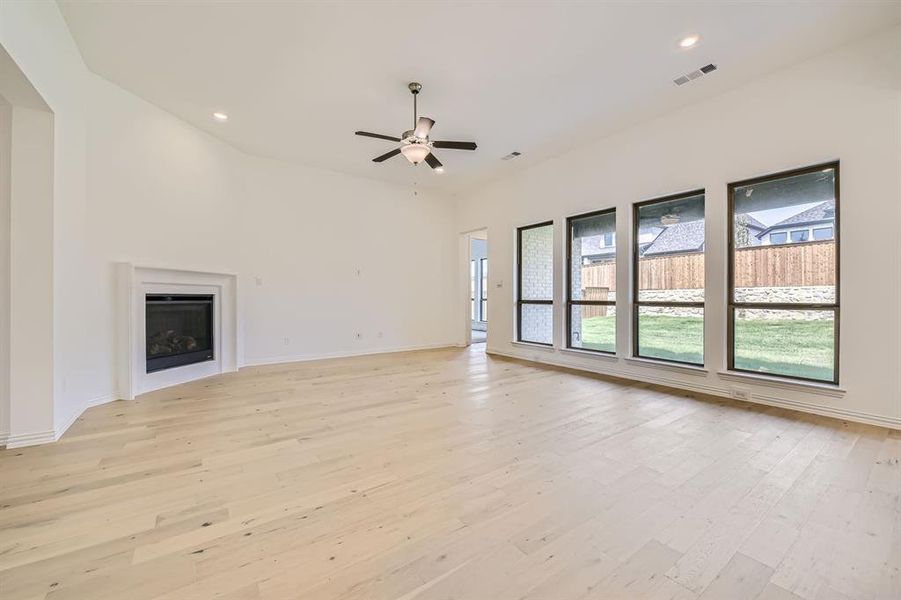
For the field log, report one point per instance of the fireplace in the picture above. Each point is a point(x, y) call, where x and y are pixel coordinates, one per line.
point(179, 330)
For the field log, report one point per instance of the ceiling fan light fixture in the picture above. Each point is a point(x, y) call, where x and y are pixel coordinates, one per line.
point(415, 153)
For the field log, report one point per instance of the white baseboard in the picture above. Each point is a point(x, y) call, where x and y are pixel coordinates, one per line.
point(276, 360)
point(30, 439)
point(43, 437)
point(713, 390)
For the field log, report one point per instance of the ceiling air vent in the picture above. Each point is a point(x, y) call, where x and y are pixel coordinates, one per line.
point(683, 79)
point(511, 156)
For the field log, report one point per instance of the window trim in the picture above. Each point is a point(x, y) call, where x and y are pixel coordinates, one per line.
point(483, 290)
point(831, 229)
point(472, 292)
point(519, 299)
point(570, 303)
point(732, 305)
point(635, 280)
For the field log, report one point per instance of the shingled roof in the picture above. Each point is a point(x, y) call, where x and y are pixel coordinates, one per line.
point(681, 237)
point(825, 211)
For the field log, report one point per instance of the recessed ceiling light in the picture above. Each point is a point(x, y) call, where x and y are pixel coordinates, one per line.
point(689, 41)
point(439, 169)
point(220, 116)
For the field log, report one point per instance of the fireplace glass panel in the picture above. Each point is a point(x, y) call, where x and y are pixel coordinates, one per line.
point(179, 330)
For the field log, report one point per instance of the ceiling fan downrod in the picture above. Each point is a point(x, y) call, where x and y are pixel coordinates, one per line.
point(414, 89)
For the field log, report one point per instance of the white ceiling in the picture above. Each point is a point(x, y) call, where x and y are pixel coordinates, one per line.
point(298, 78)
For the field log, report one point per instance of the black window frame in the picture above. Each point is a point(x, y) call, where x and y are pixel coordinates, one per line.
point(569, 288)
point(519, 299)
point(732, 305)
point(636, 257)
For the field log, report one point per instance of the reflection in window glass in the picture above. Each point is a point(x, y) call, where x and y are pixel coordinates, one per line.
point(669, 280)
point(822, 233)
point(483, 308)
point(537, 254)
point(537, 323)
point(535, 289)
point(593, 327)
point(794, 343)
point(672, 333)
point(784, 292)
point(800, 236)
point(591, 296)
point(792, 273)
point(472, 288)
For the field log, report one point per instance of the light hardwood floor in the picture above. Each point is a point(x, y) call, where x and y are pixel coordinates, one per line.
point(447, 474)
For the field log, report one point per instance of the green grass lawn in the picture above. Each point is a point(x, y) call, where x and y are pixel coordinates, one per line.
point(784, 347)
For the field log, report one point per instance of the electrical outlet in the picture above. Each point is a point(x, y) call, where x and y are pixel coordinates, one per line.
point(381, 335)
point(259, 280)
point(287, 341)
point(358, 336)
point(740, 393)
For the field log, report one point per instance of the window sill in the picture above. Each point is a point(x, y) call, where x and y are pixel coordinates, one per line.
point(590, 354)
point(825, 389)
point(533, 345)
point(668, 366)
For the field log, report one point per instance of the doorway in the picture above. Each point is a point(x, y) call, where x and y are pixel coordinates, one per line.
point(478, 287)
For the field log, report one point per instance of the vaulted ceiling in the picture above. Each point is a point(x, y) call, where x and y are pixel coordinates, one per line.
point(298, 78)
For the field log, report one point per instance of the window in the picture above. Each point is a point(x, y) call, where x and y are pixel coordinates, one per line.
point(668, 294)
point(535, 284)
point(784, 301)
point(472, 289)
point(778, 238)
point(822, 233)
point(591, 293)
point(800, 236)
point(483, 304)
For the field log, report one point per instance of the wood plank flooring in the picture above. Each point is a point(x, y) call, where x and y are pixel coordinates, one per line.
point(448, 474)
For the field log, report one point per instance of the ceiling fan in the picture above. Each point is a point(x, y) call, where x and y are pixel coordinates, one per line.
point(415, 144)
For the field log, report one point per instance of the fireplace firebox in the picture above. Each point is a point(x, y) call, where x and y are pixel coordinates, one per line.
point(179, 330)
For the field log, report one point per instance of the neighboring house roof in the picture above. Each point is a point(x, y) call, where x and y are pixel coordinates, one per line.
point(681, 237)
point(593, 250)
point(825, 211)
point(753, 223)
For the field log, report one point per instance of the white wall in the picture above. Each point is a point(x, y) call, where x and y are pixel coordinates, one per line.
point(134, 184)
point(5, 165)
point(31, 274)
point(327, 256)
point(844, 105)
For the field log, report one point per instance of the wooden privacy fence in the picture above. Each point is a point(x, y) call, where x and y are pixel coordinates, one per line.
point(812, 263)
point(806, 264)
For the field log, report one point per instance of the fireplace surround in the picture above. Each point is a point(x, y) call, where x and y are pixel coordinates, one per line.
point(140, 342)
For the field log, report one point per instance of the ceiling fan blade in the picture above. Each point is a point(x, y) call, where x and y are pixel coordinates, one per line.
point(423, 127)
point(433, 160)
point(377, 135)
point(386, 155)
point(455, 145)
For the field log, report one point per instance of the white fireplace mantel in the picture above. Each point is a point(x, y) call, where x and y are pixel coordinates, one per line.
point(135, 282)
